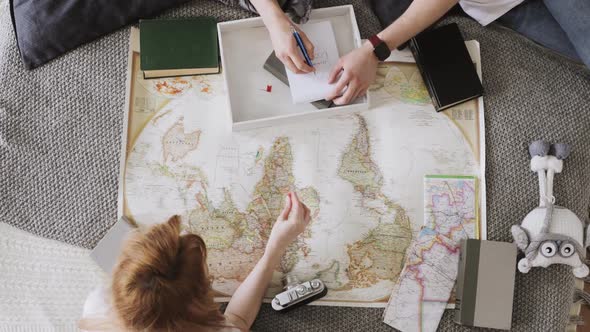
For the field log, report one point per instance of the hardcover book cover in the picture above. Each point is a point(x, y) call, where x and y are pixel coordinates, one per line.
point(179, 47)
point(446, 67)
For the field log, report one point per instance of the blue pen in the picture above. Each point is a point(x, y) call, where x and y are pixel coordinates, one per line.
point(302, 47)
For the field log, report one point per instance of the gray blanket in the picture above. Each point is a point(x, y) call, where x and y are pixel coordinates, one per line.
point(60, 139)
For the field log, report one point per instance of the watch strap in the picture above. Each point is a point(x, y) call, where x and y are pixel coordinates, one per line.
point(380, 48)
point(375, 40)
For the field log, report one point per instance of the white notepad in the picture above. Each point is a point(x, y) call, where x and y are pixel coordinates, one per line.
point(310, 87)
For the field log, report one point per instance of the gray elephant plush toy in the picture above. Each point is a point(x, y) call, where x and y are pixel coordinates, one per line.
point(550, 234)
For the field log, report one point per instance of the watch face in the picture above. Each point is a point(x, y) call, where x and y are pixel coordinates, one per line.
point(382, 51)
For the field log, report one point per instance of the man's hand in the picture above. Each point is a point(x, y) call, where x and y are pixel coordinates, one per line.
point(290, 223)
point(354, 72)
point(285, 46)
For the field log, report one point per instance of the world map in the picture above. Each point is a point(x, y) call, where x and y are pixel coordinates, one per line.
point(402, 82)
point(360, 174)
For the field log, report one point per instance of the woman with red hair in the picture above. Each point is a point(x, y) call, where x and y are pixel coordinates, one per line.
point(161, 282)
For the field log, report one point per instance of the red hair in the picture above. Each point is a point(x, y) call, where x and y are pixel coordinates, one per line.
point(161, 282)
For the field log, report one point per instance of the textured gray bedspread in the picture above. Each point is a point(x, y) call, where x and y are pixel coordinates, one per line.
point(60, 136)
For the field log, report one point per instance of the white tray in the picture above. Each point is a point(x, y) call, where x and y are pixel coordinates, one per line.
point(245, 45)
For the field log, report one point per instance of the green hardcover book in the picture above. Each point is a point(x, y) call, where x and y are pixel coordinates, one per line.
point(178, 47)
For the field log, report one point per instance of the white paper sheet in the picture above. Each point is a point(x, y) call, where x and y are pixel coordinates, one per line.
point(314, 86)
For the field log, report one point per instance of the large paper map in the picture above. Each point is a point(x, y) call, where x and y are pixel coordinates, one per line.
point(361, 175)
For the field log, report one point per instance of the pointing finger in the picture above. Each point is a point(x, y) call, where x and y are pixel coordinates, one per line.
point(334, 73)
point(307, 216)
point(296, 202)
point(346, 98)
point(356, 95)
point(308, 44)
point(287, 208)
point(337, 91)
point(299, 62)
point(290, 65)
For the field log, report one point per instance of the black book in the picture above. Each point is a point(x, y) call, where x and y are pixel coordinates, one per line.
point(446, 67)
point(274, 66)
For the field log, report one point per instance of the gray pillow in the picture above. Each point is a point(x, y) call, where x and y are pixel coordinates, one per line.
point(46, 29)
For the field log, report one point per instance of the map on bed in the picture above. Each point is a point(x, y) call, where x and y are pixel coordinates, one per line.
point(360, 174)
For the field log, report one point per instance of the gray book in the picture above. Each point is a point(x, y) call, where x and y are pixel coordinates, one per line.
point(485, 284)
point(274, 66)
point(107, 251)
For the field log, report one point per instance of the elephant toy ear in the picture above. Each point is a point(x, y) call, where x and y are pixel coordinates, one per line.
point(539, 148)
point(587, 237)
point(560, 150)
point(521, 239)
point(524, 265)
point(581, 271)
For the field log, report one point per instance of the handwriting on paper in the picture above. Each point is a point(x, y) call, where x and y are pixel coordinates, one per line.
point(314, 86)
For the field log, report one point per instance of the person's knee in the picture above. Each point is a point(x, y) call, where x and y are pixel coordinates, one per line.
point(583, 50)
point(573, 19)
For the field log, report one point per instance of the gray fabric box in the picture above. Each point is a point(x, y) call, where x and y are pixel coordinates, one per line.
point(485, 284)
point(107, 251)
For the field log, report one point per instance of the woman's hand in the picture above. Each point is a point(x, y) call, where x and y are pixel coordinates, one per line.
point(354, 72)
point(290, 223)
point(245, 303)
point(281, 34)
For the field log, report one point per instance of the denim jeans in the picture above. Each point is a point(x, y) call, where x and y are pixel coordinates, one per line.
point(560, 25)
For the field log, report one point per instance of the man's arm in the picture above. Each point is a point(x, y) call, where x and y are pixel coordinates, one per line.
point(420, 15)
point(360, 65)
point(245, 303)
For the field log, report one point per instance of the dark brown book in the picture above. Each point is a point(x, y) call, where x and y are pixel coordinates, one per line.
point(446, 67)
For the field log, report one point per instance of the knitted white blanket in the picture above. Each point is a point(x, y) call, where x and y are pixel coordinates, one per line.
point(43, 283)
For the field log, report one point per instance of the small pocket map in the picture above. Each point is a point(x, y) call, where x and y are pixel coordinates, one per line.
point(450, 206)
point(419, 298)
